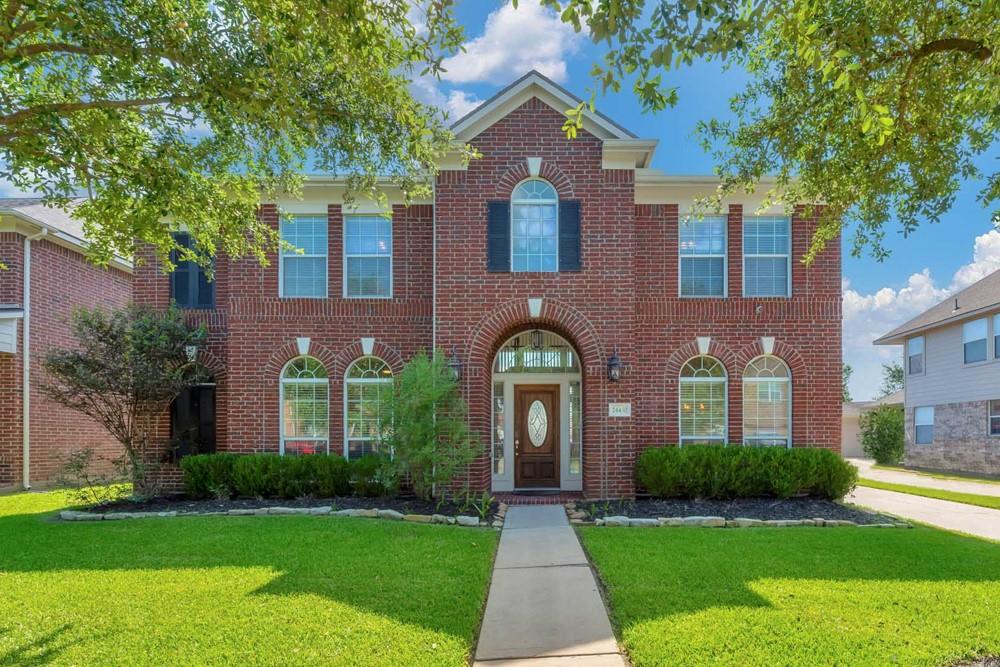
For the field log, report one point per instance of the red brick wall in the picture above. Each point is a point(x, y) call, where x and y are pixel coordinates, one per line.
point(11, 292)
point(61, 281)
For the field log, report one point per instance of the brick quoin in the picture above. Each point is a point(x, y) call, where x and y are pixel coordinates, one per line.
point(624, 299)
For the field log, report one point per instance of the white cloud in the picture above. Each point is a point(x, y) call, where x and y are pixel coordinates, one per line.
point(460, 103)
point(868, 316)
point(513, 42)
point(457, 103)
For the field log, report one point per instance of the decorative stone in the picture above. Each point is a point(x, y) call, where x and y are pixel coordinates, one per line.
point(439, 518)
point(467, 520)
point(166, 515)
point(417, 518)
point(643, 523)
point(819, 522)
point(322, 509)
point(741, 522)
point(576, 522)
point(240, 512)
point(369, 514)
point(351, 512)
point(117, 516)
point(451, 521)
point(289, 510)
point(71, 515)
point(840, 522)
point(782, 523)
point(392, 515)
point(616, 521)
point(705, 521)
point(670, 521)
point(498, 523)
point(577, 514)
point(598, 522)
point(260, 510)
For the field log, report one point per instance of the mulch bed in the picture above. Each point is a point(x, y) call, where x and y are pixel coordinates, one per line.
point(181, 504)
point(746, 508)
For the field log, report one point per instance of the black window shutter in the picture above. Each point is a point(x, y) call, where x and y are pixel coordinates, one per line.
point(189, 286)
point(569, 236)
point(498, 236)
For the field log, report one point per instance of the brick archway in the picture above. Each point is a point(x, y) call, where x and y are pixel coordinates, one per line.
point(549, 171)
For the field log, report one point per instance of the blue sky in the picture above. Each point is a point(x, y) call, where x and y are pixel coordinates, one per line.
point(502, 44)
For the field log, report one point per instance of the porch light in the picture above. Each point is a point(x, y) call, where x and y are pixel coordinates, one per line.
point(536, 339)
point(614, 367)
point(455, 364)
point(191, 351)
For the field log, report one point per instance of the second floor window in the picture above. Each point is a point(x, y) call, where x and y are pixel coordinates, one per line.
point(974, 341)
point(534, 227)
point(367, 256)
point(915, 355)
point(996, 336)
point(189, 284)
point(303, 267)
point(702, 250)
point(766, 256)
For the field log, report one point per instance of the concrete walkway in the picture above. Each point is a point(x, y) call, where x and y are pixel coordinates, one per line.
point(544, 607)
point(865, 469)
point(969, 519)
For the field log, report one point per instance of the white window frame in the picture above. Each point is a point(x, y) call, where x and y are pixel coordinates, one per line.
point(991, 415)
point(986, 326)
point(346, 255)
point(761, 379)
point(922, 353)
point(348, 381)
point(916, 423)
point(533, 202)
point(326, 255)
point(725, 259)
point(282, 381)
point(996, 336)
point(788, 259)
point(724, 381)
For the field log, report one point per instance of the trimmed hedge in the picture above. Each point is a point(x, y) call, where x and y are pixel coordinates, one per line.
point(744, 472)
point(275, 476)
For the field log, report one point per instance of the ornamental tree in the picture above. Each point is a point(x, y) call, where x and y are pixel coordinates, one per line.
point(126, 368)
point(876, 108)
point(186, 113)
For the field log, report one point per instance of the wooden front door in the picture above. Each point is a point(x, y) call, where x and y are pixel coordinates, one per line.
point(536, 435)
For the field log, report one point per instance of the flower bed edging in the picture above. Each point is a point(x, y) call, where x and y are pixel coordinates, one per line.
point(325, 510)
point(720, 522)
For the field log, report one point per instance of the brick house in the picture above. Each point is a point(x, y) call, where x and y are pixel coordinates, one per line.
point(46, 278)
point(586, 315)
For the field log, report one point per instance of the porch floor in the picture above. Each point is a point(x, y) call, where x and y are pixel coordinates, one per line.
point(538, 497)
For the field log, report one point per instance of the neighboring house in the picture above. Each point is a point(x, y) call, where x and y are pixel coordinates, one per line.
point(850, 434)
point(952, 361)
point(586, 315)
point(46, 278)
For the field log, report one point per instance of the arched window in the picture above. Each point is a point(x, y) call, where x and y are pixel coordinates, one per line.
point(367, 385)
point(534, 233)
point(305, 407)
point(767, 403)
point(703, 402)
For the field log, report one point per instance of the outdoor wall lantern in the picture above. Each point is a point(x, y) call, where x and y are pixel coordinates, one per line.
point(192, 352)
point(455, 364)
point(536, 339)
point(614, 367)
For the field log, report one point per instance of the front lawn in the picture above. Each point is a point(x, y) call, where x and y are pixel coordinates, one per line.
point(993, 502)
point(236, 590)
point(961, 477)
point(799, 596)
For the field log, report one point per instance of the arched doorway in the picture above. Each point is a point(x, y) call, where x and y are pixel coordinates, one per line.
point(537, 421)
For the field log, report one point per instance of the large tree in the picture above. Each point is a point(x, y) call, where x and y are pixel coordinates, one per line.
point(876, 108)
point(892, 379)
point(192, 110)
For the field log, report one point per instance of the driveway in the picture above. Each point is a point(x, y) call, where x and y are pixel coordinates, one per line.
point(958, 517)
point(866, 470)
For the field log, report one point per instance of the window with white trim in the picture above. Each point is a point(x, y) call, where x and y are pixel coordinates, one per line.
point(915, 356)
point(995, 417)
point(367, 386)
point(303, 267)
point(702, 249)
point(767, 256)
point(923, 425)
point(703, 387)
point(534, 222)
point(367, 256)
point(974, 341)
point(996, 336)
point(767, 403)
point(305, 407)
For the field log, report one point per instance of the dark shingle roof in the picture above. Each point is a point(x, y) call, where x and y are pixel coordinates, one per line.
point(974, 299)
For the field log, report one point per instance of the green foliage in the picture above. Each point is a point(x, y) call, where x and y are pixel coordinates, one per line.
point(90, 479)
point(426, 427)
point(845, 382)
point(744, 472)
point(208, 475)
point(878, 109)
point(992, 502)
point(124, 369)
point(892, 379)
point(185, 114)
point(372, 476)
point(882, 434)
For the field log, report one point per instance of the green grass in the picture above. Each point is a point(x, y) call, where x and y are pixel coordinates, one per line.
point(236, 590)
point(839, 596)
point(992, 502)
point(939, 475)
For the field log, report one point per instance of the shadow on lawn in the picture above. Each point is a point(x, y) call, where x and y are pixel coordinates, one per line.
point(391, 569)
point(38, 652)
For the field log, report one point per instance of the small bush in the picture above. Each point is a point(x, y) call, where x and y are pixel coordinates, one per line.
point(372, 476)
point(208, 475)
point(265, 476)
point(882, 434)
point(744, 472)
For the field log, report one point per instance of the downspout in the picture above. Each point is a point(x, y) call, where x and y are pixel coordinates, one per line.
point(26, 362)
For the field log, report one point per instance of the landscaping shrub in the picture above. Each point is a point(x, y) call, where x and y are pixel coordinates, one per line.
point(265, 476)
point(208, 475)
point(882, 434)
point(372, 476)
point(744, 472)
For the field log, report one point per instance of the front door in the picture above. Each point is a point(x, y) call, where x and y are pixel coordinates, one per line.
point(536, 435)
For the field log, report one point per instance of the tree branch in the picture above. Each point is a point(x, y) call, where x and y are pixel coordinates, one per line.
point(970, 46)
point(70, 107)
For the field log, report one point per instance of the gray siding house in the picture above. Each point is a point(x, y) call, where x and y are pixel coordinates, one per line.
point(952, 368)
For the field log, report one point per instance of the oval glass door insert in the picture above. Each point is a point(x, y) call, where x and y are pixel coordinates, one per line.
point(538, 423)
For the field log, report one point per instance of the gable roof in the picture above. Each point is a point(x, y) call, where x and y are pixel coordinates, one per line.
point(534, 84)
point(973, 300)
